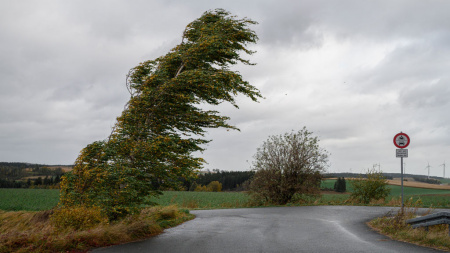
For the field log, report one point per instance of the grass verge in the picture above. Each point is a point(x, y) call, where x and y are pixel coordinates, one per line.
point(27, 231)
point(394, 226)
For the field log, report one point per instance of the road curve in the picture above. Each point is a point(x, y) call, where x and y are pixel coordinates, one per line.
point(275, 229)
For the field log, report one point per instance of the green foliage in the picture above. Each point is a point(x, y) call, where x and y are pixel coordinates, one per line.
point(230, 180)
point(201, 188)
point(340, 185)
point(374, 187)
point(152, 143)
point(16, 175)
point(286, 165)
point(215, 186)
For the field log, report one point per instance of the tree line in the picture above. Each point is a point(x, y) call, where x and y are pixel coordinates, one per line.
point(50, 182)
point(427, 180)
point(26, 175)
point(230, 180)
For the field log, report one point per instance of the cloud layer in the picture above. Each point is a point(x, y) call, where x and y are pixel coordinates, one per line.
point(353, 72)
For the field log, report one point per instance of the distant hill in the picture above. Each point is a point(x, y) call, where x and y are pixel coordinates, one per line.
point(16, 174)
point(17, 170)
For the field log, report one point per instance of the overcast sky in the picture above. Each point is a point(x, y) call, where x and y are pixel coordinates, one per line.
point(355, 73)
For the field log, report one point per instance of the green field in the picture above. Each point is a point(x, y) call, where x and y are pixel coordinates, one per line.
point(203, 200)
point(45, 199)
point(429, 197)
point(395, 190)
point(28, 199)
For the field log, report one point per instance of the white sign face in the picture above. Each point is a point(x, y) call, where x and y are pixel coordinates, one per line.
point(401, 140)
point(401, 152)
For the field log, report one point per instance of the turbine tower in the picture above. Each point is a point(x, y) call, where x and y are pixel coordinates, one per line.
point(443, 165)
point(428, 167)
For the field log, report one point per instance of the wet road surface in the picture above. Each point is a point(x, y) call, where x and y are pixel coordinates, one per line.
point(275, 229)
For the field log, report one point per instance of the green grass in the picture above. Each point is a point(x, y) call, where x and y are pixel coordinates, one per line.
point(28, 199)
point(411, 191)
point(203, 200)
point(395, 190)
point(45, 199)
point(429, 197)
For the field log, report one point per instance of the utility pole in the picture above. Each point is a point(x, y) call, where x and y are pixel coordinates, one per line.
point(443, 165)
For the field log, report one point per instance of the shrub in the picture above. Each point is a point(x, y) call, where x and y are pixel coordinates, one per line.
point(78, 217)
point(374, 187)
point(201, 188)
point(286, 165)
point(214, 186)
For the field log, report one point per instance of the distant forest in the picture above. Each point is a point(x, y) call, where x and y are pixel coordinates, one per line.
point(26, 175)
point(230, 180)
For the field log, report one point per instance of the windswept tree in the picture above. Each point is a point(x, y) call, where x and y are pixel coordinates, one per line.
point(286, 165)
point(163, 123)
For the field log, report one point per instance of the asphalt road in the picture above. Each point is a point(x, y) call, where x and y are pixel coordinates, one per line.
point(278, 229)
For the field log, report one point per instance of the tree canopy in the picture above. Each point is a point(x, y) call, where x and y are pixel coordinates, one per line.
point(163, 123)
point(286, 165)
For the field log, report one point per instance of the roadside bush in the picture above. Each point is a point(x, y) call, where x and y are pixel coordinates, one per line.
point(78, 217)
point(286, 165)
point(374, 187)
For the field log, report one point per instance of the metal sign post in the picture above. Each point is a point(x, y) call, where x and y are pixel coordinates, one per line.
point(401, 141)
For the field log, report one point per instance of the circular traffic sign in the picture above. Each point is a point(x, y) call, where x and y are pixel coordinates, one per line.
point(401, 140)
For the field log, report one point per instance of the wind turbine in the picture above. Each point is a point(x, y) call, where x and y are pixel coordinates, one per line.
point(428, 167)
point(443, 165)
point(375, 165)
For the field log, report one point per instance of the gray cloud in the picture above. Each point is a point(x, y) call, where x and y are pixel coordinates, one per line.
point(354, 72)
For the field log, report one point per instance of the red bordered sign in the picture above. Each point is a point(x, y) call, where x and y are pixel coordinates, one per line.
point(401, 140)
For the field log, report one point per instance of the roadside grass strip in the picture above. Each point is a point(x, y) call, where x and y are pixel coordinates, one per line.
point(394, 226)
point(25, 231)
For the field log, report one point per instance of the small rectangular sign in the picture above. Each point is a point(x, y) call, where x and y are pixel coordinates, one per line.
point(401, 152)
